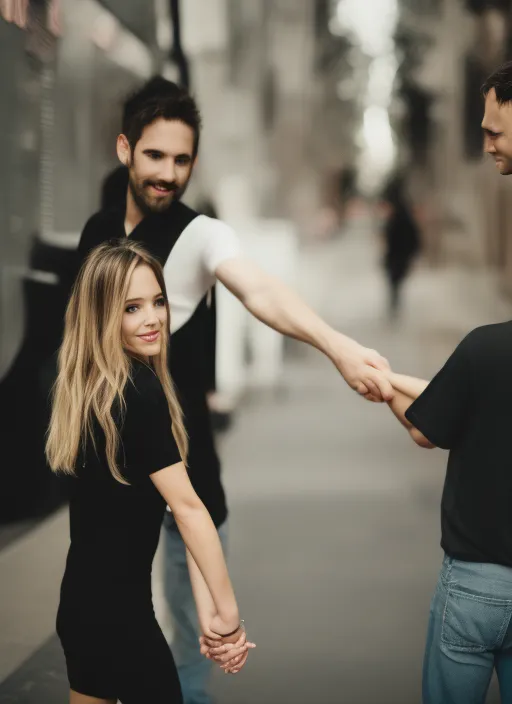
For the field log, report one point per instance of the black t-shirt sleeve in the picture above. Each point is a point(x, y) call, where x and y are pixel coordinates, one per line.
point(441, 411)
point(146, 433)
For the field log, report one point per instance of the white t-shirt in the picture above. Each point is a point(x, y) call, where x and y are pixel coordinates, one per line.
point(190, 268)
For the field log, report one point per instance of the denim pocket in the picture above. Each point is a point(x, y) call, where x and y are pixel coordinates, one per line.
point(474, 623)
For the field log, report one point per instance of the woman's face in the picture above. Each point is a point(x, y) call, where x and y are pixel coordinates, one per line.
point(145, 314)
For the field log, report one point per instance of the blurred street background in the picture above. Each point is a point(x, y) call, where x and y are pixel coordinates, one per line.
point(323, 119)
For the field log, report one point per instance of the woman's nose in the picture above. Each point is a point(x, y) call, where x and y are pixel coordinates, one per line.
point(151, 317)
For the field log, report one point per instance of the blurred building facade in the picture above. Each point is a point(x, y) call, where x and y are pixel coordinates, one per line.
point(467, 204)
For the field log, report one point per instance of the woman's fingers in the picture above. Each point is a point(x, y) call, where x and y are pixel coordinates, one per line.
point(226, 657)
point(234, 661)
point(234, 670)
point(219, 648)
point(204, 649)
point(230, 654)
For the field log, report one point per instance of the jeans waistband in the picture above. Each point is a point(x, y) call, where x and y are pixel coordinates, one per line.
point(486, 570)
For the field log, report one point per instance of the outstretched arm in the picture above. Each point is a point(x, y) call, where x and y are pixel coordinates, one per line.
point(279, 307)
point(407, 390)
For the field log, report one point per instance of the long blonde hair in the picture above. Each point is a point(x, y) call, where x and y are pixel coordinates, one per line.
point(93, 366)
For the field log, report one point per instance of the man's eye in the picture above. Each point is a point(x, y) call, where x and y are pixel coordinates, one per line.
point(155, 156)
point(183, 161)
point(131, 309)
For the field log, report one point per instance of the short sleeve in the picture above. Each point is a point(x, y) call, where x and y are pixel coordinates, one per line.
point(441, 411)
point(221, 243)
point(148, 443)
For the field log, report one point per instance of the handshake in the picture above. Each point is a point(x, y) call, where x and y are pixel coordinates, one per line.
point(229, 652)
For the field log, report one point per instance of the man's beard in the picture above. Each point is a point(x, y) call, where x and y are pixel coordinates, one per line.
point(147, 204)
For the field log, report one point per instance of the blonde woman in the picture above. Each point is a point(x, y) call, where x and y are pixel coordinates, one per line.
point(116, 428)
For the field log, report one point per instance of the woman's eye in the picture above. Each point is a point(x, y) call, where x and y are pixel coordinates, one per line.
point(160, 302)
point(131, 309)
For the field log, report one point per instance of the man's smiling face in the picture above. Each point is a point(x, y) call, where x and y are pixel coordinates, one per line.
point(497, 127)
point(161, 164)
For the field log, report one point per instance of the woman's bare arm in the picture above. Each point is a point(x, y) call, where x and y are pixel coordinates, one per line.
point(206, 609)
point(201, 538)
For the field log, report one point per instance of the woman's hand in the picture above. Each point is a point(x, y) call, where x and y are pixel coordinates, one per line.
point(230, 653)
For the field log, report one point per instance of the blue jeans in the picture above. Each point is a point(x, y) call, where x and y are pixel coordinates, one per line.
point(194, 669)
point(469, 634)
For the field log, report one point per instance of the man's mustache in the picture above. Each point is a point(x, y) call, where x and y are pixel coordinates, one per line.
point(173, 186)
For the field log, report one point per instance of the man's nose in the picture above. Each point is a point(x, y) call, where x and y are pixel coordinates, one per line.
point(169, 172)
point(489, 147)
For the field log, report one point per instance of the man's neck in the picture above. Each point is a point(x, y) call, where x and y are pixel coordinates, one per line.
point(133, 215)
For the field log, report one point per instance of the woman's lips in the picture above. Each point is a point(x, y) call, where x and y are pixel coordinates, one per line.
point(150, 336)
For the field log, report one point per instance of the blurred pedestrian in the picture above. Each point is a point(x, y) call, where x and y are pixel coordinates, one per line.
point(117, 429)
point(159, 145)
point(401, 236)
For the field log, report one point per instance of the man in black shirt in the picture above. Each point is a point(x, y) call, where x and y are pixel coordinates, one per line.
point(464, 410)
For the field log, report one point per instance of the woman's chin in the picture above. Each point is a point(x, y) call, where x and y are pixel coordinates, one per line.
point(145, 349)
point(149, 350)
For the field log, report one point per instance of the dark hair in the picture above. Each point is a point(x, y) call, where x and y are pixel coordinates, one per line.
point(159, 98)
point(501, 81)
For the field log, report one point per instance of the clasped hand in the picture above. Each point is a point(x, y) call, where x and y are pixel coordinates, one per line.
point(229, 653)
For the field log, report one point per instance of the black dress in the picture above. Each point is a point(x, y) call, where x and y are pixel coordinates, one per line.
point(113, 644)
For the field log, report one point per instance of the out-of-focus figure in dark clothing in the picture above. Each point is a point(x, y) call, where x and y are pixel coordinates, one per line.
point(347, 190)
point(402, 240)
